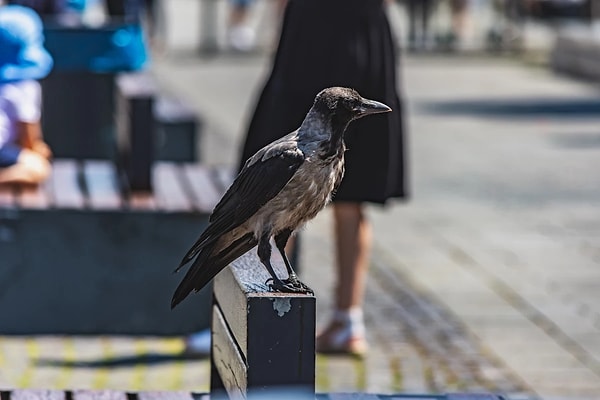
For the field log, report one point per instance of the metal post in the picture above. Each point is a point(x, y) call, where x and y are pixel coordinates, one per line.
point(594, 10)
point(208, 26)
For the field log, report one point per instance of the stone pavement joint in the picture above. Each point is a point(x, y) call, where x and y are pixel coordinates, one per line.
point(534, 315)
point(438, 335)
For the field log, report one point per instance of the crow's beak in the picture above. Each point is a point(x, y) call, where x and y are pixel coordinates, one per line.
point(372, 107)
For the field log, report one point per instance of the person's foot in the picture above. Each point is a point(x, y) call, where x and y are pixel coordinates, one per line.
point(338, 338)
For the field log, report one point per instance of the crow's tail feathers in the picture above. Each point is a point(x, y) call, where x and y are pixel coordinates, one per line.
point(208, 265)
point(212, 233)
point(194, 278)
point(198, 247)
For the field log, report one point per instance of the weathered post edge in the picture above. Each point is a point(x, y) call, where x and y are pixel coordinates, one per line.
point(262, 342)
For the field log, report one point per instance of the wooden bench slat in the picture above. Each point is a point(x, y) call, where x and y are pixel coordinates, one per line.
point(99, 395)
point(233, 304)
point(65, 185)
point(164, 395)
point(36, 197)
point(142, 201)
point(54, 394)
point(204, 189)
point(226, 359)
point(37, 394)
point(169, 191)
point(103, 190)
point(357, 396)
point(7, 196)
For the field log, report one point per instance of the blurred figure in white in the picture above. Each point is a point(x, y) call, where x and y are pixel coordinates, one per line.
point(24, 156)
point(240, 35)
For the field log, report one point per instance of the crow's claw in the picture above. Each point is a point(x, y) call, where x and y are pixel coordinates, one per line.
point(290, 286)
point(295, 283)
point(267, 282)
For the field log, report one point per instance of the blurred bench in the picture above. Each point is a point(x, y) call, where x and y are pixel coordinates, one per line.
point(78, 97)
point(91, 250)
point(576, 52)
point(178, 130)
point(150, 128)
point(121, 395)
point(81, 256)
point(41, 394)
point(81, 126)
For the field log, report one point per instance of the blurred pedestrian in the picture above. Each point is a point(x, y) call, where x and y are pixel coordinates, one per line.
point(24, 156)
point(130, 11)
point(459, 15)
point(348, 43)
point(419, 18)
point(240, 35)
point(154, 20)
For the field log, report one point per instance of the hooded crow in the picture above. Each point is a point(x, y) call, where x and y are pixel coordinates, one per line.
point(282, 186)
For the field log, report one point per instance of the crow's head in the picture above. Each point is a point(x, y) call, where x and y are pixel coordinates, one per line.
point(335, 108)
point(345, 105)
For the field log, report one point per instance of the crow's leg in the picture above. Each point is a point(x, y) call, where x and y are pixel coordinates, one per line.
point(281, 240)
point(264, 254)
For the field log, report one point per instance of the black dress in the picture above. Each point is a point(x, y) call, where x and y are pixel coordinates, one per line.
point(348, 43)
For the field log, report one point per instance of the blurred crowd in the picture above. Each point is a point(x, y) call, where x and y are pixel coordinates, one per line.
point(424, 31)
point(505, 30)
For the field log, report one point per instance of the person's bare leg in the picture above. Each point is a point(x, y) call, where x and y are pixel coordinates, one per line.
point(345, 333)
point(280, 7)
point(459, 19)
point(238, 15)
point(353, 245)
point(31, 168)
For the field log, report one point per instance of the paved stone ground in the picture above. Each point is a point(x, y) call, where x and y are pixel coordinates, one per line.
point(503, 227)
point(487, 279)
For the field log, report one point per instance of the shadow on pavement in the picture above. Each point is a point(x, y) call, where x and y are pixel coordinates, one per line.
point(120, 362)
point(517, 108)
point(577, 141)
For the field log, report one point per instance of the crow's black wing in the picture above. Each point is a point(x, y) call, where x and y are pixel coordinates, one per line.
point(208, 264)
point(263, 176)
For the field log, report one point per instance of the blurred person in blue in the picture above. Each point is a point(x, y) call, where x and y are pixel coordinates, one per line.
point(24, 156)
point(348, 43)
point(42, 7)
point(149, 13)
